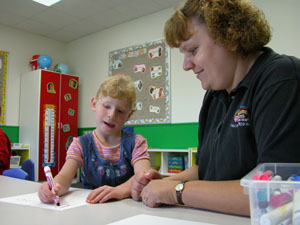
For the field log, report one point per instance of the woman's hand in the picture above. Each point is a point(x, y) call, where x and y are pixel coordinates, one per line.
point(140, 180)
point(158, 192)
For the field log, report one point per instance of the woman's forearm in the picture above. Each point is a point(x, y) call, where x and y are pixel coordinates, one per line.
point(221, 196)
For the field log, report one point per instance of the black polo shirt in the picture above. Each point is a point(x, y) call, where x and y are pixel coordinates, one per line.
point(258, 122)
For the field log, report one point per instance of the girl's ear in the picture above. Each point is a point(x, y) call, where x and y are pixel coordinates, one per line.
point(93, 103)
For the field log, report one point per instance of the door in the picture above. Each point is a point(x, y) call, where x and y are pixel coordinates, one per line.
point(49, 118)
point(68, 114)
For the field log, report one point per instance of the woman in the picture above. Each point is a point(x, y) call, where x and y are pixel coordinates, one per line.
point(250, 113)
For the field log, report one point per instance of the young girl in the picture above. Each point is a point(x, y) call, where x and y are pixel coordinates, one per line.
point(108, 156)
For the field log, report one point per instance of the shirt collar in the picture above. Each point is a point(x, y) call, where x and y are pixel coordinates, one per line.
point(250, 75)
point(257, 64)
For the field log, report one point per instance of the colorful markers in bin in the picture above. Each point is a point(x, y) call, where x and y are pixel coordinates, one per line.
point(263, 175)
point(278, 206)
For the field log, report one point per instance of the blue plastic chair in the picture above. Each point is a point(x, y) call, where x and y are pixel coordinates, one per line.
point(16, 173)
point(28, 167)
point(129, 129)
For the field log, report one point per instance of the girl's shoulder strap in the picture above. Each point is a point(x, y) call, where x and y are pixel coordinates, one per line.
point(128, 140)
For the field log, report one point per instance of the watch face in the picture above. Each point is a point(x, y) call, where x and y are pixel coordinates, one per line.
point(179, 187)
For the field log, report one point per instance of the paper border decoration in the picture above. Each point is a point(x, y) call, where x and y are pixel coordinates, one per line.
point(149, 66)
point(3, 75)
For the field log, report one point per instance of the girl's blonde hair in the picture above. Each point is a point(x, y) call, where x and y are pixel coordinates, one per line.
point(118, 86)
point(237, 25)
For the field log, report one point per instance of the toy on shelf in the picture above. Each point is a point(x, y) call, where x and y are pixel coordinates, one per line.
point(61, 68)
point(33, 62)
point(44, 61)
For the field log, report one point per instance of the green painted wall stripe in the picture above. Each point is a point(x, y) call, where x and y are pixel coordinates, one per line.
point(12, 132)
point(175, 135)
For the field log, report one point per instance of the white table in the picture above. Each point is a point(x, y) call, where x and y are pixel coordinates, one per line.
point(12, 214)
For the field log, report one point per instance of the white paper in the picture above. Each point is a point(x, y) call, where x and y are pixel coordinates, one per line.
point(155, 220)
point(74, 198)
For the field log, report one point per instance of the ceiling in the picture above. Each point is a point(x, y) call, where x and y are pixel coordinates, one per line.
point(69, 20)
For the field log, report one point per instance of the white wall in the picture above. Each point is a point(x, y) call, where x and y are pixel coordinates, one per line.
point(21, 46)
point(88, 57)
point(284, 19)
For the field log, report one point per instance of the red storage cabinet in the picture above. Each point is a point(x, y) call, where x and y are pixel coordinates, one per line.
point(48, 117)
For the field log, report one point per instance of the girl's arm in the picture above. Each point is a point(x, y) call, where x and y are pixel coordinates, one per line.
point(62, 181)
point(105, 193)
point(140, 167)
point(65, 176)
point(188, 174)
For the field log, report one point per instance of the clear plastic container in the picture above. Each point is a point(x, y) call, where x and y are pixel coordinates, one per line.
point(271, 188)
point(17, 145)
point(15, 161)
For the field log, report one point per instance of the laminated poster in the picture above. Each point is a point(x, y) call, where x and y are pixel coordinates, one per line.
point(148, 65)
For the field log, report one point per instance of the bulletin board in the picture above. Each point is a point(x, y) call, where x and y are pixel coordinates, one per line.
point(149, 66)
point(3, 74)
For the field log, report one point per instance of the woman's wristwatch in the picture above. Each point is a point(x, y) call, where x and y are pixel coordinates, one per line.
point(179, 189)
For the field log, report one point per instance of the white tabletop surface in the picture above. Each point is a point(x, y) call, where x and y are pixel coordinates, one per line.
point(12, 214)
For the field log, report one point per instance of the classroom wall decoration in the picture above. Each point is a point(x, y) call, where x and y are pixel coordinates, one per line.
point(149, 66)
point(3, 74)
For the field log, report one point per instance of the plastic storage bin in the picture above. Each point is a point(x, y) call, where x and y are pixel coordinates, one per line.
point(15, 161)
point(17, 145)
point(273, 190)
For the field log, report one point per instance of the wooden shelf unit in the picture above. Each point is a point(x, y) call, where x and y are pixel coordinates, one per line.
point(159, 158)
point(23, 151)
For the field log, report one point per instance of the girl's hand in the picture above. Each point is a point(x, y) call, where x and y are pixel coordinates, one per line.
point(105, 193)
point(45, 194)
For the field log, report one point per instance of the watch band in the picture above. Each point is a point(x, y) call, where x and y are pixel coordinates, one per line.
point(179, 194)
point(179, 198)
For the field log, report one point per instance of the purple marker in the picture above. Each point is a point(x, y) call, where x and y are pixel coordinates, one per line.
point(51, 184)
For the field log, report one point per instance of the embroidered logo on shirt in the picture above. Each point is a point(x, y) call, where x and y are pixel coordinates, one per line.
point(240, 118)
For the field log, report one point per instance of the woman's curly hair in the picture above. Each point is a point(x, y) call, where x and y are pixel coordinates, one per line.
point(235, 24)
